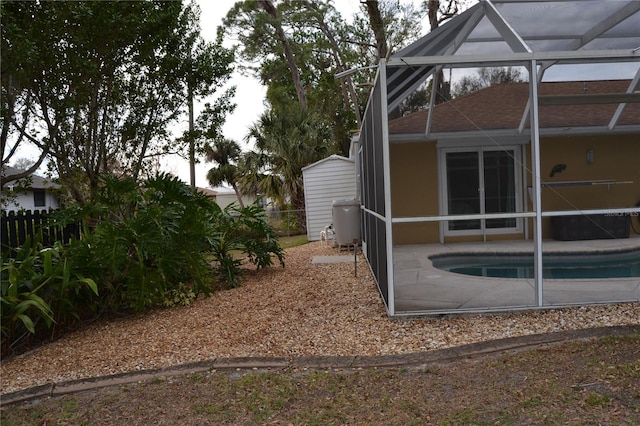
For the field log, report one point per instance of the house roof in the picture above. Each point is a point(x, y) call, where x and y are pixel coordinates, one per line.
point(513, 32)
point(222, 190)
point(503, 106)
point(207, 191)
point(37, 182)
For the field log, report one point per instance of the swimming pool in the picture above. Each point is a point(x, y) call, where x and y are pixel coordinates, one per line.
point(558, 265)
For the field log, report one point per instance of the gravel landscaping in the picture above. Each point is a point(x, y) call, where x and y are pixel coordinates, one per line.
point(304, 309)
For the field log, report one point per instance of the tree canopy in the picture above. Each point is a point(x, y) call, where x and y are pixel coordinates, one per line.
point(94, 86)
point(225, 153)
point(296, 48)
point(486, 77)
point(285, 143)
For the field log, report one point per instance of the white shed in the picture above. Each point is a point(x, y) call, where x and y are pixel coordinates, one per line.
point(333, 178)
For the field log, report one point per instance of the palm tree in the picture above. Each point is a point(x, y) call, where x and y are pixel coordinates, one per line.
point(285, 143)
point(224, 152)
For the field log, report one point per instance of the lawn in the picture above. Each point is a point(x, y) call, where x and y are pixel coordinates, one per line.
point(292, 241)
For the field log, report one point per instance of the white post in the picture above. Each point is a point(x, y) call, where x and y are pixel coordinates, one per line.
point(537, 184)
point(384, 118)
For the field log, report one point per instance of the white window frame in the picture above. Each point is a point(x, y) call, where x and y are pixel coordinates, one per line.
point(443, 196)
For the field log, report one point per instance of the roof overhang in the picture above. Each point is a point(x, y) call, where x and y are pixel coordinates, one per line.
point(512, 135)
point(519, 58)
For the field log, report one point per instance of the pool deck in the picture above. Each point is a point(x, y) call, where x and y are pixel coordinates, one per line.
point(421, 288)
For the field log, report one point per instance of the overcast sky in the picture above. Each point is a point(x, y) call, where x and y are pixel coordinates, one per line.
point(249, 92)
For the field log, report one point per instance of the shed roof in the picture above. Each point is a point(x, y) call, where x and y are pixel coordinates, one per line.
point(502, 107)
point(329, 158)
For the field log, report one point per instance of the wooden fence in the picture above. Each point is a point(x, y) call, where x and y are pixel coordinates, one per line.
point(17, 226)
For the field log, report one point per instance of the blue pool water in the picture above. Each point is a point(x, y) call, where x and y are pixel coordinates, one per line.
point(558, 266)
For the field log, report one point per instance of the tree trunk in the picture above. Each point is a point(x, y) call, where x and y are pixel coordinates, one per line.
point(238, 195)
point(335, 50)
point(375, 19)
point(298, 204)
point(268, 7)
point(192, 143)
point(442, 89)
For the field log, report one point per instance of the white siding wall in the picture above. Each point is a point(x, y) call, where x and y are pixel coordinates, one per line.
point(224, 200)
point(25, 201)
point(333, 178)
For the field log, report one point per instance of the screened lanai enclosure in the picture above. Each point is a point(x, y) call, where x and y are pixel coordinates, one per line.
point(519, 194)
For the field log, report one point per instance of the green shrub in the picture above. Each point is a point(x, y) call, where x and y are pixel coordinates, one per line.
point(152, 244)
point(69, 292)
point(142, 246)
point(183, 295)
point(41, 289)
point(259, 239)
point(246, 231)
point(152, 239)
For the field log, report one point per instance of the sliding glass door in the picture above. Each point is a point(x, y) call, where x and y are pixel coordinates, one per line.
point(481, 181)
point(463, 188)
point(499, 187)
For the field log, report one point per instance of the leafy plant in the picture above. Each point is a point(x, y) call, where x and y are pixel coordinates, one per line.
point(153, 241)
point(260, 242)
point(142, 246)
point(22, 306)
point(224, 242)
point(180, 296)
point(40, 284)
point(242, 230)
point(69, 290)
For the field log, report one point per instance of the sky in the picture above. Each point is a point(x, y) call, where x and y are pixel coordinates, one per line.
point(250, 93)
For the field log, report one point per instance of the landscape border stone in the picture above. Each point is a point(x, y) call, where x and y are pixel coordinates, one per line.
point(469, 351)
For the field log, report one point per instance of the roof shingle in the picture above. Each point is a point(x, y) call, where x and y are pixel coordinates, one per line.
point(502, 106)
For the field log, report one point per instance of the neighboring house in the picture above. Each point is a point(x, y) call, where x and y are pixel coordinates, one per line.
point(226, 196)
point(504, 162)
point(325, 181)
point(208, 192)
point(33, 193)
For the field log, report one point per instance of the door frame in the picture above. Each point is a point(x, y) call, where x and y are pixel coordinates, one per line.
point(443, 191)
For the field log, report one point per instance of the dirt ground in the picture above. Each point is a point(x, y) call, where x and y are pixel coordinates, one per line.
point(583, 382)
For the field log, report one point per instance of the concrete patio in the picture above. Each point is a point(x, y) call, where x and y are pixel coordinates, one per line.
point(422, 288)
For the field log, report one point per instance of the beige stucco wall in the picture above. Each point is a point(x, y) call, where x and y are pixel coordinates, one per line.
point(615, 157)
point(414, 181)
point(414, 191)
